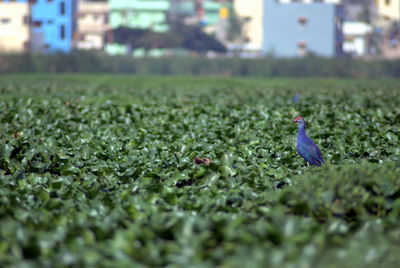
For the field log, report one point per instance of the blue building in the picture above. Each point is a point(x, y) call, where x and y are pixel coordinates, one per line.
point(295, 29)
point(53, 25)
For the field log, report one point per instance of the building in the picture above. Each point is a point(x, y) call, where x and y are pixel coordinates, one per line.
point(386, 12)
point(155, 15)
point(140, 14)
point(92, 24)
point(137, 14)
point(215, 19)
point(386, 22)
point(296, 29)
point(356, 37)
point(253, 16)
point(336, 2)
point(53, 25)
point(251, 12)
point(14, 26)
point(37, 25)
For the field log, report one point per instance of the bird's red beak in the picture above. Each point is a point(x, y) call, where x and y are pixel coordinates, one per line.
point(296, 120)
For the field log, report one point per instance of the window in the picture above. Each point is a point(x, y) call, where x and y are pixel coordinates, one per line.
point(37, 23)
point(62, 32)
point(5, 20)
point(301, 48)
point(302, 21)
point(62, 8)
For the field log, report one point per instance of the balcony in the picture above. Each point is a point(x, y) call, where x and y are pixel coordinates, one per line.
point(89, 28)
point(92, 7)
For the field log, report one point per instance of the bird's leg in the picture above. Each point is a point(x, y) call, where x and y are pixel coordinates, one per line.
point(308, 164)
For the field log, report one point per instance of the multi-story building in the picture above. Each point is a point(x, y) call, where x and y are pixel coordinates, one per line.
point(59, 25)
point(53, 25)
point(356, 37)
point(37, 25)
point(289, 28)
point(386, 22)
point(386, 12)
point(139, 14)
point(92, 24)
point(215, 18)
point(336, 2)
point(295, 29)
point(251, 13)
point(14, 26)
point(155, 15)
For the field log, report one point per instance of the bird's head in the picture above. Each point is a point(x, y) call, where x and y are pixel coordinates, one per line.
point(298, 120)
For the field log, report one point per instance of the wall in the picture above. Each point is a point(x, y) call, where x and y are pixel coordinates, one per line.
point(152, 15)
point(283, 33)
point(389, 8)
point(387, 11)
point(137, 14)
point(52, 29)
point(14, 26)
point(252, 13)
point(92, 23)
point(313, 1)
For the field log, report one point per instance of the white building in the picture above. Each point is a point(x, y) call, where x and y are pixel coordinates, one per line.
point(251, 13)
point(386, 12)
point(92, 23)
point(336, 2)
point(14, 26)
point(355, 37)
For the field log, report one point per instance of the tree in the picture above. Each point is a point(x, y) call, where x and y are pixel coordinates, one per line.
point(181, 36)
point(144, 38)
point(194, 38)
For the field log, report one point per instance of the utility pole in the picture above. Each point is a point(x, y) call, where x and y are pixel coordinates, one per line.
point(172, 11)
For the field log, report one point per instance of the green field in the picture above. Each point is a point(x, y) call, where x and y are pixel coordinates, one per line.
point(98, 171)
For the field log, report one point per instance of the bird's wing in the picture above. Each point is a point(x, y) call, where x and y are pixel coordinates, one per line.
point(312, 150)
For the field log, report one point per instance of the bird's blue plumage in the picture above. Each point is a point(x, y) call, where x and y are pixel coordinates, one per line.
point(296, 98)
point(306, 147)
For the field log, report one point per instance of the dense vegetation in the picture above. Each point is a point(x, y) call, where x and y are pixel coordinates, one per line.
point(78, 62)
point(100, 171)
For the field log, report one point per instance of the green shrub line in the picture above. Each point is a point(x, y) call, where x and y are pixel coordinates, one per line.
point(83, 62)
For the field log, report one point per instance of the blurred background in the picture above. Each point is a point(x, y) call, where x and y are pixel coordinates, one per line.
point(361, 29)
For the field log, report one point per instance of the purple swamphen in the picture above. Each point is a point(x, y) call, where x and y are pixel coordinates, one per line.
point(306, 147)
point(296, 98)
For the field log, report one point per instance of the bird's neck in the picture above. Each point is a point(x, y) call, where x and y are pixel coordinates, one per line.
point(302, 130)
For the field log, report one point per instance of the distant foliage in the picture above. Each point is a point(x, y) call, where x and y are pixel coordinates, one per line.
point(312, 66)
point(192, 38)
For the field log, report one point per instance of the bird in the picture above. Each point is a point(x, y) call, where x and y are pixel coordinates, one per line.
point(306, 147)
point(296, 98)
